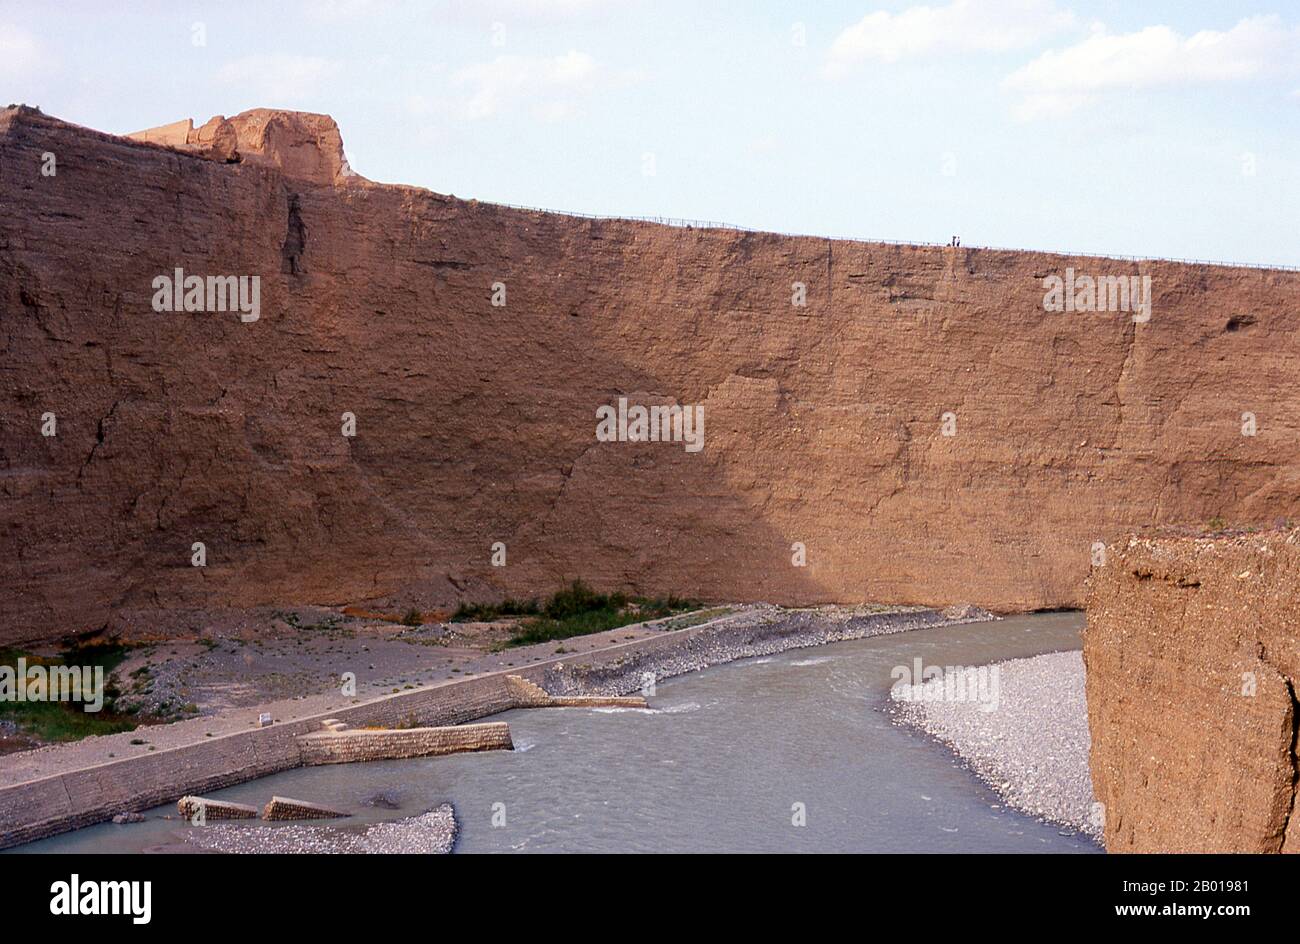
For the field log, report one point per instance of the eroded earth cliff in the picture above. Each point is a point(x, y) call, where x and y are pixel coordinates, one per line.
point(1193, 656)
point(475, 422)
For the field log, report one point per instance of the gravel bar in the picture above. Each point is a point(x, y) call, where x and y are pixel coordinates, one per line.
point(431, 833)
point(1032, 748)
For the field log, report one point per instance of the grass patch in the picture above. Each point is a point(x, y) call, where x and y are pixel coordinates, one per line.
point(67, 720)
point(578, 610)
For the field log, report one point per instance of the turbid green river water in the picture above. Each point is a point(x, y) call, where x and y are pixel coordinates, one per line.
point(718, 764)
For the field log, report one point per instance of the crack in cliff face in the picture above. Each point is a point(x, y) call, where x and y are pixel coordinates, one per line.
point(295, 239)
point(830, 278)
point(441, 264)
point(1295, 764)
point(99, 440)
point(564, 484)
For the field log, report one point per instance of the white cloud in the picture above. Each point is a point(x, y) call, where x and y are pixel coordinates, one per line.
point(531, 10)
point(1060, 81)
point(962, 26)
point(20, 53)
point(273, 78)
point(550, 86)
point(561, 7)
point(554, 111)
point(333, 11)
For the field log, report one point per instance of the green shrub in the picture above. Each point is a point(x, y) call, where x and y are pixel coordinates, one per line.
point(574, 610)
point(68, 720)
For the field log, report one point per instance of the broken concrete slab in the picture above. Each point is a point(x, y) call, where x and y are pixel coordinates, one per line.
point(192, 807)
point(283, 809)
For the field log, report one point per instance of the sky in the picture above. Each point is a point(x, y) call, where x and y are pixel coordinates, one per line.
point(1139, 127)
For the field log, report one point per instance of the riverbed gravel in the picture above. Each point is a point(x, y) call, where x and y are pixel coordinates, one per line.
point(431, 833)
point(1032, 748)
point(760, 630)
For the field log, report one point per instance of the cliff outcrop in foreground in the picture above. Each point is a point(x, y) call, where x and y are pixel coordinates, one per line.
point(472, 345)
point(1193, 655)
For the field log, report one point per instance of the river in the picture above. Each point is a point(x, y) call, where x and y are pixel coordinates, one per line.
point(725, 761)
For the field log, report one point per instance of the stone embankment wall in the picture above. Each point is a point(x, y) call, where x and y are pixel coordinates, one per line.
point(1193, 661)
point(44, 806)
point(531, 695)
point(826, 423)
point(350, 746)
point(49, 805)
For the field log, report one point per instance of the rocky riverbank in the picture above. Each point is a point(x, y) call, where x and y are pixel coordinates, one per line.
point(431, 833)
point(1029, 743)
point(759, 631)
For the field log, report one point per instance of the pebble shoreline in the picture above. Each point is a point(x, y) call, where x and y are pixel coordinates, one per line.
point(761, 631)
point(431, 833)
point(1032, 750)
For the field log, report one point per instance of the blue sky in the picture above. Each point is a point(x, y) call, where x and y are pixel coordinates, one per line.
point(1149, 128)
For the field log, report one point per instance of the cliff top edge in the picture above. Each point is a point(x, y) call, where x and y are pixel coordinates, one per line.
point(309, 146)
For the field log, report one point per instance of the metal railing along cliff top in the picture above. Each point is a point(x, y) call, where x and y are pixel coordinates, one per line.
point(733, 227)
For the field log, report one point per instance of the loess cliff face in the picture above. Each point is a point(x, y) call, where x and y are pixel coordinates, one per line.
point(476, 423)
point(1193, 656)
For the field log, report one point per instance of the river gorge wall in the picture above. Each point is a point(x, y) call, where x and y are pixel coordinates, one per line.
point(1193, 660)
point(919, 430)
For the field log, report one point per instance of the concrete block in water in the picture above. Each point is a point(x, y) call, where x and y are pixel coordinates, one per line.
point(283, 808)
point(191, 806)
